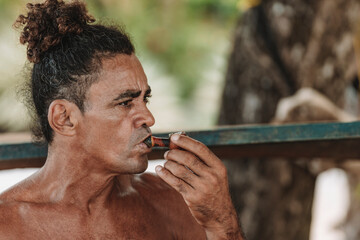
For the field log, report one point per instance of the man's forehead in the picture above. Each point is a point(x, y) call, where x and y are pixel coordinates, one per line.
point(120, 62)
point(122, 71)
point(120, 74)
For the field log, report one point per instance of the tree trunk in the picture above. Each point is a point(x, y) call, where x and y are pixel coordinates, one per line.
point(281, 46)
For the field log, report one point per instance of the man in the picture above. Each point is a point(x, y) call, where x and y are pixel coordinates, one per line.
point(95, 120)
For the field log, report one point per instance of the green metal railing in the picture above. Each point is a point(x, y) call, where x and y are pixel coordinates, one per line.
point(325, 140)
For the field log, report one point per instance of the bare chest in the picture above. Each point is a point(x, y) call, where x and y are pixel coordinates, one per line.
point(131, 223)
point(136, 225)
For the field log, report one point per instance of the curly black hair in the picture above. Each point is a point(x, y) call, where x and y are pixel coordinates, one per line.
point(66, 51)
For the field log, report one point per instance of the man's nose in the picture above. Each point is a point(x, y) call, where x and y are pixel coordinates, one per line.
point(144, 117)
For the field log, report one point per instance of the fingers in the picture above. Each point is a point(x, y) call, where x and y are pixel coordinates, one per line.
point(181, 172)
point(197, 148)
point(187, 159)
point(177, 183)
point(200, 177)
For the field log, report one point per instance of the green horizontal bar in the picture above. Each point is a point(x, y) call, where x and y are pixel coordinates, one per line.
point(256, 134)
point(229, 136)
point(22, 151)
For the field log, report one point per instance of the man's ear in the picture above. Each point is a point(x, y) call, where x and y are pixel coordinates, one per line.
point(63, 117)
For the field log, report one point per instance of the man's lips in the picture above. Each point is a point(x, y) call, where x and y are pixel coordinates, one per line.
point(147, 141)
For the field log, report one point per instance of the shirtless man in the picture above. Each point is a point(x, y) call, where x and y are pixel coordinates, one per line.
point(90, 94)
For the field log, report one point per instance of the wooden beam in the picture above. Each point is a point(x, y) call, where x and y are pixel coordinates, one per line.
point(324, 140)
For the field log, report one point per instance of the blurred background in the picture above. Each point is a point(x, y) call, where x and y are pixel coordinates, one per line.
point(183, 46)
point(224, 62)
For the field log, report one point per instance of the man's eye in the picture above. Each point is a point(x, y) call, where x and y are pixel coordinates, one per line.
point(125, 103)
point(147, 99)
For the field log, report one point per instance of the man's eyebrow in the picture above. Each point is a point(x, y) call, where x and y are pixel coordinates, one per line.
point(131, 94)
point(128, 94)
point(148, 91)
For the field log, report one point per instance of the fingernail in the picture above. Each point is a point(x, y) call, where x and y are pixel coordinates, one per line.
point(175, 137)
point(158, 168)
point(166, 153)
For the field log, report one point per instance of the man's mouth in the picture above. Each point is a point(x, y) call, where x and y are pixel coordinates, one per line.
point(148, 141)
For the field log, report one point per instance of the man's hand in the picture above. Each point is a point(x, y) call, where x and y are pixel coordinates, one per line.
point(201, 178)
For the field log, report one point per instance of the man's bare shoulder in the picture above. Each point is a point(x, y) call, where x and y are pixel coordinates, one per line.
point(13, 203)
point(8, 210)
point(9, 202)
point(10, 220)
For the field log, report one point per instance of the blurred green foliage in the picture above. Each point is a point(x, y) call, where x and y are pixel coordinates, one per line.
point(181, 36)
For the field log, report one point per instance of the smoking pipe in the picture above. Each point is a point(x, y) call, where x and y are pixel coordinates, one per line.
point(152, 141)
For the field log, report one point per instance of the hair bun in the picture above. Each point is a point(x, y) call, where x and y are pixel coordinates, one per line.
point(47, 23)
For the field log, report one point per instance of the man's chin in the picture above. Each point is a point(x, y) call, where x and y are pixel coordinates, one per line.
point(141, 164)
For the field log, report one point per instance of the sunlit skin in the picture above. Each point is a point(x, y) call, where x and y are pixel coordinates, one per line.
point(93, 186)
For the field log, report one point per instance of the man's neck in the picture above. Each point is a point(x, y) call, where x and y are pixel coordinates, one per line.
point(73, 179)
